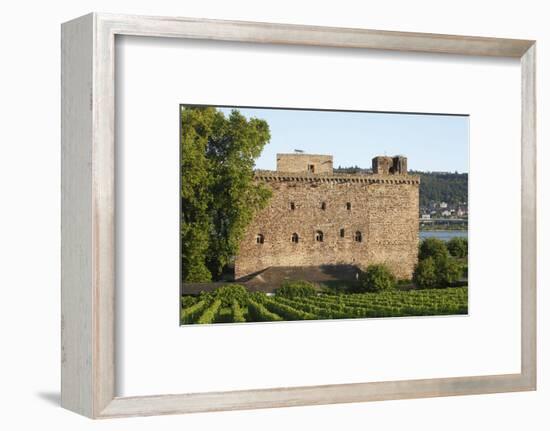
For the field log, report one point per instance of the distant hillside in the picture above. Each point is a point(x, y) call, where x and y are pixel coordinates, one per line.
point(434, 186)
point(442, 187)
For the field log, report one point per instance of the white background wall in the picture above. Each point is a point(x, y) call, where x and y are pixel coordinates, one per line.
point(29, 216)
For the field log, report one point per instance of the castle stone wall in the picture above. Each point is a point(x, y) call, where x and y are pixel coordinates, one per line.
point(382, 208)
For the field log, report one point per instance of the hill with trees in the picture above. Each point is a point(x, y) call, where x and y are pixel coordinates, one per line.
point(442, 187)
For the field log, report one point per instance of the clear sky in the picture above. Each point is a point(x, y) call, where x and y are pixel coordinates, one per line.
point(430, 142)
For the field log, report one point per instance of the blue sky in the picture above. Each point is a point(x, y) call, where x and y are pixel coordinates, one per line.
point(430, 142)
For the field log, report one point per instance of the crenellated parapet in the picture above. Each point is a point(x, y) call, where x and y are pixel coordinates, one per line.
point(277, 176)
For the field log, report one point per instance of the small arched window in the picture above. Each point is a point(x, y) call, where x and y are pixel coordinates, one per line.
point(358, 237)
point(292, 206)
point(323, 206)
point(342, 233)
point(295, 238)
point(348, 206)
point(319, 236)
point(259, 239)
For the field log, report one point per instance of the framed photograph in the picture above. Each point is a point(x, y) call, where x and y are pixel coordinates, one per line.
point(265, 215)
point(271, 232)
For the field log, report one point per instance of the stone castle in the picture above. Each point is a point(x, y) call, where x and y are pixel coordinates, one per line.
point(317, 217)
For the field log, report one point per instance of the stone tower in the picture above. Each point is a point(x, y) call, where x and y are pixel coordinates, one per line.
point(304, 163)
point(389, 165)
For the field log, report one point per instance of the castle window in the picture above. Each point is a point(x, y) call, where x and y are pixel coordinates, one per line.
point(323, 206)
point(319, 236)
point(358, 237)
point(342, 233)
point(348, 206)
point(292, 206)
point(311, 169)
point(294, 238)
point(259, 239)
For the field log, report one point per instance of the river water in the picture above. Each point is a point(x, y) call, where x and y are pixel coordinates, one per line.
point(444, 235)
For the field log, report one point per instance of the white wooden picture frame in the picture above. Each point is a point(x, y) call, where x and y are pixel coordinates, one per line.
point(88, 215)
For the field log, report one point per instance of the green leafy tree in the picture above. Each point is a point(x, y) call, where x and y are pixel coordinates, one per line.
point(465, 270)
point(448, 271)
point(377, 278)
point(237, 144)
point(458, 247)
point(432, 247)
point(196, 196)
point(425, 274)
point(437, 272)
point(219, 196)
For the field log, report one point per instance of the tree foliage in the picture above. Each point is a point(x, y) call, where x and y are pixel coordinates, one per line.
point(377, 278)
point(449, 271)
point(436, 267)
point(219, 196)
point(425, 274)
point(458, 247)
point(432, 247)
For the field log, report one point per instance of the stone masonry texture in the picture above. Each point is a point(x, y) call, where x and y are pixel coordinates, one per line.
point(324, 218)
point(304, 163)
